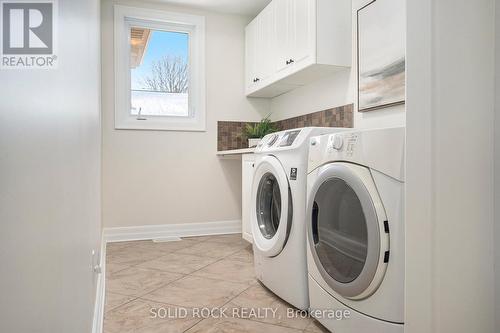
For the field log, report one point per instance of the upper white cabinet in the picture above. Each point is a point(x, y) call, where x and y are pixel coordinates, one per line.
point(281, 28)
point(294, 32)
point(259, 65)
point(251, 55)
point(294, 42)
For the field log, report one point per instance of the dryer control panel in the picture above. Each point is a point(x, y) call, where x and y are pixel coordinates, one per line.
point(342, 142)
point(381, 149)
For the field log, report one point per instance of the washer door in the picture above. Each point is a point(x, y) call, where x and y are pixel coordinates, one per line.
point(271, 219)
point(347, 236)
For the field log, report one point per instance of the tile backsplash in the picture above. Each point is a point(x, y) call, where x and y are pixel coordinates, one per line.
point(229, 133)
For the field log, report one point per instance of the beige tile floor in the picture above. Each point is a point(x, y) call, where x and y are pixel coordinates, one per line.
point(147, 282)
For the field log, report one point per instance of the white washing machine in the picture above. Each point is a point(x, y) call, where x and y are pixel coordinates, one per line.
point(278, 212)
point(355, 230)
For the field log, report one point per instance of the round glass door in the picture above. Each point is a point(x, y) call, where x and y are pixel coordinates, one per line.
point(268, 205)
point(345, 230)
point(272, 207)
point(341, 236)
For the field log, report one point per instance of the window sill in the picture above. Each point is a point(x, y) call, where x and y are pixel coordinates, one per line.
point(158, 125)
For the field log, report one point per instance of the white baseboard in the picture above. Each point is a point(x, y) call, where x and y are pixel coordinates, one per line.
point(97, 324)
point(168, 230)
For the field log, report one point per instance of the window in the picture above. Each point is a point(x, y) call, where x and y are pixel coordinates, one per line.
point(159, 70)
point(159, 73)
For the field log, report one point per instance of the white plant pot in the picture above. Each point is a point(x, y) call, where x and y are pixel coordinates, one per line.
point(253, 143)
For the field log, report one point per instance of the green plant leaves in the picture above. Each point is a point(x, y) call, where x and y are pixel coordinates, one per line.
point(260, 129)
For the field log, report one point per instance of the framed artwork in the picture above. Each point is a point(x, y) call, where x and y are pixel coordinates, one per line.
point(381, 54)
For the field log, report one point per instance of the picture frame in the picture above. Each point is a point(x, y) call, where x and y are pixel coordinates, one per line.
point(381, 61)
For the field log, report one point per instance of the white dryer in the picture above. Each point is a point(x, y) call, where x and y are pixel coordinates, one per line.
point(355, 229)
point(278, 212)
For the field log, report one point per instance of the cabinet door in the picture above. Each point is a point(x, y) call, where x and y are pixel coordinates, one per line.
point(282, 33)
point(250, 54)
point(302, 18)
point(265, 44)
point(246, 196)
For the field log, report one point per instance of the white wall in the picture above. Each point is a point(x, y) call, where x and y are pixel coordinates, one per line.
point(419, 219)
point(160, 177)
point(497, 166)
point(50, 186)
point(336, 90)
point(450, 277)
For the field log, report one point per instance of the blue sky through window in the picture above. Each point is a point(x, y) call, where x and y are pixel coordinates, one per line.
point(161, 43)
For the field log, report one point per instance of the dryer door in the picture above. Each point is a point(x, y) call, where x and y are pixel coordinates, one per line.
point(346, 231)
point(272, 207)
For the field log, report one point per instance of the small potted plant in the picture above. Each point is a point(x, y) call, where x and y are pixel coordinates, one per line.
point(255, 132)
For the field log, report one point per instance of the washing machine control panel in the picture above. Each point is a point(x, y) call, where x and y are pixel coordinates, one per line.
point(272, 140)
point(289, 138)
point(278, 140)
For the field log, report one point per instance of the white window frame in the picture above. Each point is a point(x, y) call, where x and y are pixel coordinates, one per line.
point(159, 20)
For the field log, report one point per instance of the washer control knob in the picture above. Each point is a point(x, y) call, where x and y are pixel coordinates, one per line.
point(338, 142)
point(272, 140)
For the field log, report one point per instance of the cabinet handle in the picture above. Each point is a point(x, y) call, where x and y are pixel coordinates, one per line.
point(287, 62)
point(257, 80)
point(291, 61)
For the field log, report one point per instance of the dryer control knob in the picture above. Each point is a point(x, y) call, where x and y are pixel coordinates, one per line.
point(338, 142)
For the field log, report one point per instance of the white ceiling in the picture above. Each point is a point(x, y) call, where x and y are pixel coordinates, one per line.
point(240, 7)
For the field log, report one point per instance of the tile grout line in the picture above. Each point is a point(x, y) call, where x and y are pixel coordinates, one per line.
point(177, 251)
point(190, 327)
point(220, 306)
point(119, 270)
point(208, 278)
point(164, 285)
point(184, 275)
point(140, 297)
point(190, 274)
point(119, 306)
point(163, 254)
point(258, 321)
